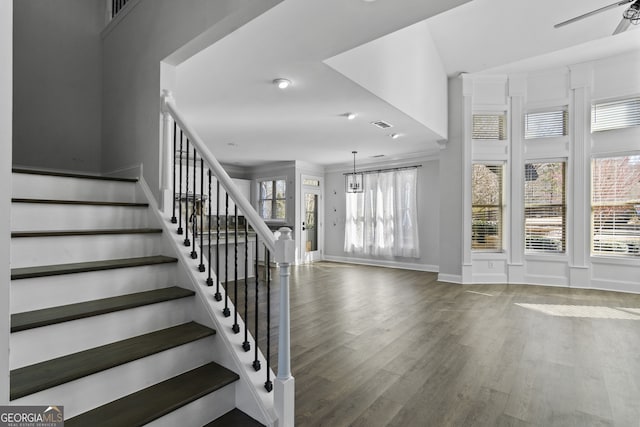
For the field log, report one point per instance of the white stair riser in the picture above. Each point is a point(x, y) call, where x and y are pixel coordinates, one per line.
point(94, 390)
point(48, 342)
point(39, 217)
point(51, 291)
point(67, 188)
point(35, 251)
point(200, 412)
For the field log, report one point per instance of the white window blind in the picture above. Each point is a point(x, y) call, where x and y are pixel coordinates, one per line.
point(546, 124)
point(545, 208)
point(272, 203)
point(487, 207)
point(615, 205)
point(489, 126)
point(615, 115)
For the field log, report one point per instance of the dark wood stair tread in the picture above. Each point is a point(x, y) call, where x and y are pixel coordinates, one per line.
point(95, 232)
point(73, 175)
point(79, 202)
point(50, 316)
point(235, 418)
point(151, 403)
point(82, 267)
point(41, 376)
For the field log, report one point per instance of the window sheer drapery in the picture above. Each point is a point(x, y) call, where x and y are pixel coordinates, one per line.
point(382, 220)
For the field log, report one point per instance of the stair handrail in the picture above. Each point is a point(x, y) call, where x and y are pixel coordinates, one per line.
point(283, 248)
point(258, 224)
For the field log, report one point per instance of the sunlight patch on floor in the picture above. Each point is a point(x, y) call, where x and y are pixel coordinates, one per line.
point(479, 293)
point(586, 311)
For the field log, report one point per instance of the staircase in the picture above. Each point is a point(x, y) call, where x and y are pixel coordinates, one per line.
point(100, 322)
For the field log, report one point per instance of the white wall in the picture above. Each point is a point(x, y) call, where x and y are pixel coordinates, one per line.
point(57, 89)
point(6, 45)
point(131, 55)
point(403, 68)
point(428, 189)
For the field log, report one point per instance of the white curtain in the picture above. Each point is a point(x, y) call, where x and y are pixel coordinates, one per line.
point(382, 220)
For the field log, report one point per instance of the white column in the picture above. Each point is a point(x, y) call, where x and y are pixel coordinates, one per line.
point(467, 166)
point(284, 387)
point(166, 158)
point(579, 240)
point(517, 92)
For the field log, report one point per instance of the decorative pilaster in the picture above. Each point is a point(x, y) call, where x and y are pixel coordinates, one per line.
point(467, 153)
point(517, 93)
point(579, 208)
point(284, 397)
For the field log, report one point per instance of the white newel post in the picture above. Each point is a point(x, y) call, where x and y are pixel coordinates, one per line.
point(284, 387)
point(166, 181)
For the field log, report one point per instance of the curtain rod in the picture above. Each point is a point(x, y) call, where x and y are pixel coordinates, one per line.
point(384, 170)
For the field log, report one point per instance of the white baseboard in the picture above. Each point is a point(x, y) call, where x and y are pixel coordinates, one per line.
point(383, 263)
point(450, 278)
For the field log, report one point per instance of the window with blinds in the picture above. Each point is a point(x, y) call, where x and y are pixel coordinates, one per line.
point(545, 207)
point(487, 207)
point(489, 127)
point(615, 206)
point(546, 124)
point(272, 203)
point(615, 115)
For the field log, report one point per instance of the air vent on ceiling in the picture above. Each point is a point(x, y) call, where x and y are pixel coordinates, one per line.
point(382, 124)
point(377, 156)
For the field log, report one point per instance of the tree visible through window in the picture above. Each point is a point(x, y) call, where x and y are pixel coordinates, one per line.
point(544, 207)
point(615, 206)
point(486, 205)
point(272, 203)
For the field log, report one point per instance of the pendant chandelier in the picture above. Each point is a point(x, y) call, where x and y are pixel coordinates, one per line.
point(354, 181)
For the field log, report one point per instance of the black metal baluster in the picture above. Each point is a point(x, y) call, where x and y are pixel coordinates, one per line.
point(218, 295)
point(226, 310)
point(194, 214)
point(175, 131)
point(209, 278)
point(256, 361)
point(186, 199)
point(113, 8)
point(236, 327)
point(245, 345)
point(268, 385)
point(180, 189)
point(201, 267)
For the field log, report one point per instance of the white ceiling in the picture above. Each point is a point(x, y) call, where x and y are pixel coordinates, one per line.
point(226, 92)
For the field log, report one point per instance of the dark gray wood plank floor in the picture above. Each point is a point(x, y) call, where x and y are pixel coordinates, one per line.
point(383, 347)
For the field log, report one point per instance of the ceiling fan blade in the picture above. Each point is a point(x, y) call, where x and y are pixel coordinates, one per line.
point(622, 26)
point(593, 12)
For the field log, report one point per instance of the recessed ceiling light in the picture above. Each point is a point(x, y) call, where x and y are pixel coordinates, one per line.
point(369, 1)
point(350, 116)
point(282, 83)
point(395, 135)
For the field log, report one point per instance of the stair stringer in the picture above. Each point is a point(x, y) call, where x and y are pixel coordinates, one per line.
point(251, 396)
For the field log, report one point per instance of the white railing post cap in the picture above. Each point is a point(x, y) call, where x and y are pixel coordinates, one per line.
point(285, 246)
point(167, 98)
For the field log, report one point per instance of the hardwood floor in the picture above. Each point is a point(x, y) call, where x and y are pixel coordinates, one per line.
point(383, 347)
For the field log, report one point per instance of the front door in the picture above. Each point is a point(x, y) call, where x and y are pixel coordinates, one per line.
point(311, 224)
